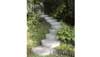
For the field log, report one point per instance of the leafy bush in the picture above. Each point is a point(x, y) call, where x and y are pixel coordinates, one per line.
point(66, 34)
point(32, 21)
point(65, 49)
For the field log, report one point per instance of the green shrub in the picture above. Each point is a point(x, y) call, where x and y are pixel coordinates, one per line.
point(66, 34)
point(65, 49)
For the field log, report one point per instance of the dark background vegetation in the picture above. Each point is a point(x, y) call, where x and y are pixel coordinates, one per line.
point(60, 9)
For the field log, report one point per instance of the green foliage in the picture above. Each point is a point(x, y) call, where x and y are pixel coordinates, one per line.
point(32, 21)
point(66, 33)
point(66, 47)
point(34, 1)
point(66, 36)
point(59, 10)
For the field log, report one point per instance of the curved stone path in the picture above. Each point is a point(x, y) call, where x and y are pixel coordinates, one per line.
point(50, 42)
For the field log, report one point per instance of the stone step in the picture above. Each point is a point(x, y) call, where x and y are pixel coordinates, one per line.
point(42, 51)
point(51, 21)
point(55, 23)
point(49, 17)
point(51, 36)
point(50, 43)
point(56, 27)
point(53, 31)
point(43, 16)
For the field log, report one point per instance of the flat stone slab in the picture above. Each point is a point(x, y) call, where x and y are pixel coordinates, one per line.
point(50, 43)
point(43, 51)
point(53, 31)
point(55, 23)
point(56, 27)
point(51, 36)
point(51, 21)
point(43, 16)
point(49, 17)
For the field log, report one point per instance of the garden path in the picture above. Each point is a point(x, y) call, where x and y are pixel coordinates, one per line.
point(50, 42)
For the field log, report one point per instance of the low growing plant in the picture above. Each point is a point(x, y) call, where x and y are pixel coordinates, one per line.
point(66, 33)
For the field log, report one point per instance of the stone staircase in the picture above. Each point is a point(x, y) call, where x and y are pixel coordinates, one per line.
point(50, 42)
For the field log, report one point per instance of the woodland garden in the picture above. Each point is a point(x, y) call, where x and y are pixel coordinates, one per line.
point(63, 12)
